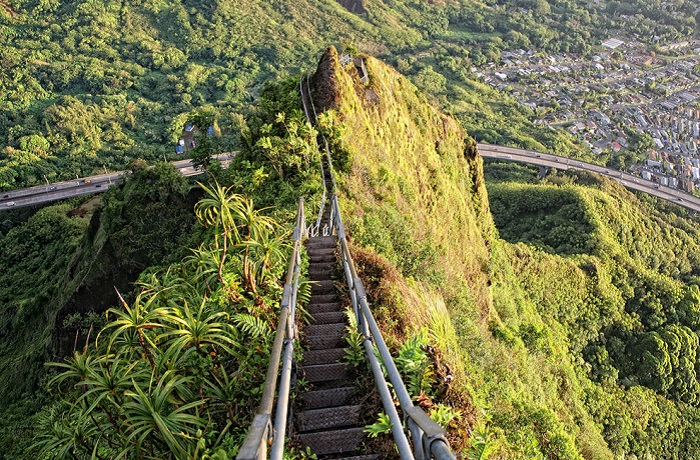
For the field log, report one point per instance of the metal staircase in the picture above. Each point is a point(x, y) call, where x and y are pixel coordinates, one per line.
point(329, 419)
point(329, 422)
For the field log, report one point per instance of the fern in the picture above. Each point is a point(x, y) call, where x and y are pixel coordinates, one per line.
point(481, 443)
point(253, 326)
point(415, 365)
point(304, 292)
point(382, 425)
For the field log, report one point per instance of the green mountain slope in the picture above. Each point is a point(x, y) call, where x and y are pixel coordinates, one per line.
point(579, 343)
point(59, 269)
point(584, 348)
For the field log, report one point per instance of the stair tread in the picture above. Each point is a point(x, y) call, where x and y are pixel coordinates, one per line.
point(316, 239)
point(320, 251)
point(324, 308)
point(325, 372)
point(328, 417)
point(327, 283)
point(322, 265)
point(360, 457)
point(334, 441)
point(326, 329)
point(328, 317)
point(322, 356)
point(322, 258)
point(322, 246)
point(323, 342)
point(328, 397)
point(324, 298)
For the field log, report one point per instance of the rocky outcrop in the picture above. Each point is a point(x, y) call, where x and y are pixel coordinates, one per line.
point(353, 6)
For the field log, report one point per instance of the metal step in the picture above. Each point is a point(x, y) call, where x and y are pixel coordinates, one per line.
point(322, 287)
point(359, 457)
point(328, 317)
point(315, 251)
point(316, 308)
point(325, 373)
point(323, 342)
point(322, 271)
point(328, 398)
point(323, 298)
point(322, 258)
point(327, 356)
point(320, 275)
point(318, 266)
point(328, 330)
point(322, 241)
point(334, 442)
point(322, 247)
point(328, 418)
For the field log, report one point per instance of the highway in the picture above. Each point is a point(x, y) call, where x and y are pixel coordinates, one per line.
point(95, 184)
point(39, 195)
point(552, 161)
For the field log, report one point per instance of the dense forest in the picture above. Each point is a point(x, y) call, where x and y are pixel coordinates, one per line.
point(92, 84)
point(625, 291)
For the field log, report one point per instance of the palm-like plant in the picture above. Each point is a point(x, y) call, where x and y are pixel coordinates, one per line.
point(158, 414)
point(197, 328)
point(63, 436)
point(252, 221)
point(204, 265)
point(138, 317)
point(262, 254)
point(159, 377)
point(77, 367)
point(219, 209)
point(106, 386)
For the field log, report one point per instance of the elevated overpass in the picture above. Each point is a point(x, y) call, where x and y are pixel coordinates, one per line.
point(553, 161)
point(43, 194)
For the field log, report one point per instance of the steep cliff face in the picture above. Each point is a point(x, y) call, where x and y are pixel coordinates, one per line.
point(413, 196)
point(354, 6)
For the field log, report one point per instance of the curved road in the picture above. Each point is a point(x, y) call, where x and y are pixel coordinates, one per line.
point(85, 186)
point(95, 184)
point(553, 161)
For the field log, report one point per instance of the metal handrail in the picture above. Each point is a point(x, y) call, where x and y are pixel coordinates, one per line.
point(428, 437)
point(329, 159)
point(261, 431)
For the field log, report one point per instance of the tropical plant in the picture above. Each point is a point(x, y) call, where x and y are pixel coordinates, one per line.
point(382, 425)
point(415, 365)
point(175, 373)
point(481, 443)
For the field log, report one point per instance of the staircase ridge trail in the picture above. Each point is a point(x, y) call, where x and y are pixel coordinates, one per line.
point(329, 420)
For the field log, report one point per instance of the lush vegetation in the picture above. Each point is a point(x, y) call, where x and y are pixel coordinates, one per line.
point(175, 373)
point(88, 85)
point(625, 298)
point(572, 337)
point(84, 85)
point(150, 353)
